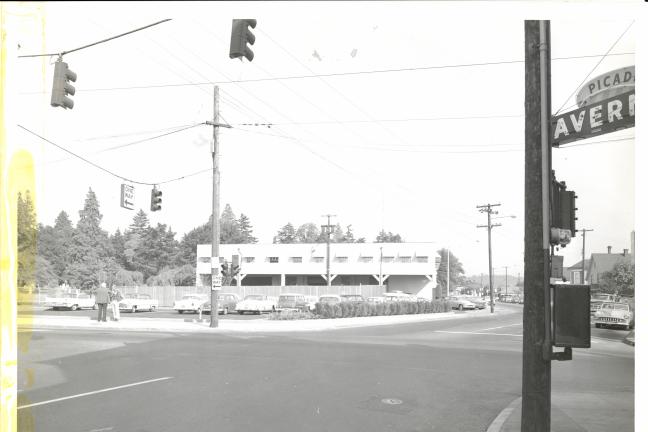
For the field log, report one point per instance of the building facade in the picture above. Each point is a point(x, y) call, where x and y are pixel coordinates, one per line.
point(407, 267)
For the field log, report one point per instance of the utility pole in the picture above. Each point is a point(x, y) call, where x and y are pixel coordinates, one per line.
point(536, 345)
point(328, 228)
point(506, 280)
point(583, 262)
point(215, 259)
point(381, 273)
point(488, 209)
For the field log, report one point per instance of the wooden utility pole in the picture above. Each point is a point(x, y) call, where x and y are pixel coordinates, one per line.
point(536, 354)
point(328, 228)
point(488, 209)
point(583, 262)
point(215, 259)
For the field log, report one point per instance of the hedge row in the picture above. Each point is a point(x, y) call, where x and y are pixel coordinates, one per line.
point(364, 309)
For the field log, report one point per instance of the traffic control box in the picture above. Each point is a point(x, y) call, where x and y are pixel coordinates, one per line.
point(571, 316)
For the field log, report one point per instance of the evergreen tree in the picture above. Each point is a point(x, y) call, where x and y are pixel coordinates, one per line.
point(456, 271)
point(190, 241)
point(229, 227)
point(27, 240)
point(63, 232)
point(118, 242)
point(90, 247)
point(245, 229)
point(286, 234)
point(348, 235)
point(388, 237)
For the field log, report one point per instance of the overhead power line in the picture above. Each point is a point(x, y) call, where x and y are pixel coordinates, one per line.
point(377, 71)
point(107, 170)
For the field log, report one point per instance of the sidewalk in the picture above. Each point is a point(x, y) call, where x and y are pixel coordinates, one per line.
point(576, 412)
point(193, 324)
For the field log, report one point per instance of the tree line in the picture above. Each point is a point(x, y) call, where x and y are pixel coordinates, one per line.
point(86, 255)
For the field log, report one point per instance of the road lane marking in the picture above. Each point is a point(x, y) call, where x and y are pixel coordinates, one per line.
point(499, 421)
point(94, 392)
point(478, 333)
point(495, 328)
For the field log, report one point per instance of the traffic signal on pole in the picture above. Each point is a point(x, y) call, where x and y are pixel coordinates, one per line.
point(224, 269)
point(563, 213)
point(156, 200)
point(62, 87)
point(241, 36)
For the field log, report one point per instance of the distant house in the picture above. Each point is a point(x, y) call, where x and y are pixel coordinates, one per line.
point(574, 274)
point(600, 263)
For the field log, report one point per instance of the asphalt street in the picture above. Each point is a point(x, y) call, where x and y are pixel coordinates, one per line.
point(450, 375)
point(160, 313)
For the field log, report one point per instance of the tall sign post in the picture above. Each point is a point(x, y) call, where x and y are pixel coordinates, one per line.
point(215, 260)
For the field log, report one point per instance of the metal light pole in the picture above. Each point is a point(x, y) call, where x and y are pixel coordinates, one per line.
point(448, 284)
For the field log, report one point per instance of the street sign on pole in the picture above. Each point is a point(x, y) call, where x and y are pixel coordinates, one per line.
point(606, 85)
point(608, 115)
point(217, 283)
point(128, 196)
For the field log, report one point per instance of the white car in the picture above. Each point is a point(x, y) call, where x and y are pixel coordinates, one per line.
point(257, 304)
point(138, 302)
point(72, 301)
point(461, 303)
point(191, 302)
point(398, 296)
point(613, 315)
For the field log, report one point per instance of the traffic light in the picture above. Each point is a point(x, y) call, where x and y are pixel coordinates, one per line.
point(156, 199)
point(224, 269)
point(241, 36)
point(563, 213)
point(62, 87)
point(236, 268)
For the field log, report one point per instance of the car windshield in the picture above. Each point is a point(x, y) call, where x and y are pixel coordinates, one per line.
point(614, 306)
point(254, 297)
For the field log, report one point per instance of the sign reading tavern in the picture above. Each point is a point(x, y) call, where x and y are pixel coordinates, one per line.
point(608, 115)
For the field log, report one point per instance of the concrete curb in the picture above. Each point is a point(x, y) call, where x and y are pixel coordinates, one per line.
point(260, 325)
point(503, 416)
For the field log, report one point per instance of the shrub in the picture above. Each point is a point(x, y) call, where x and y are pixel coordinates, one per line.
point(346, 309)
point(290, 315)
point(337, 310)
point(319, 308)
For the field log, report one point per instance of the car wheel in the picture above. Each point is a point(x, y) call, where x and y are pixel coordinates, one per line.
point(134, 309)
point(460, 307)
point(180, 311)
point(74, 307)
point(626, 327)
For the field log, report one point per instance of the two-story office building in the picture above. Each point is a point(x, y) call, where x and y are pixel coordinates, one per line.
point(407, 267)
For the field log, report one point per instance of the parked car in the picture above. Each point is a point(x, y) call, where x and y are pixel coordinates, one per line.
point(614, 315)
point(352, 298)
point(292, 301)
point(135, 302)
point(257, 304)
point(191, 302)
point(226, 303)
point(398, 296)
point(461, 303)
point(479, 303)
point(72, 301)
point(330, 299)
point(376, 299)
point(597, 299)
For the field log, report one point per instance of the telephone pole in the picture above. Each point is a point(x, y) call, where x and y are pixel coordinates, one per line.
point(583, 262)
point(506, 280)
point(215, 259)
point(488, 209)
point(328, 228)
point(536, 342)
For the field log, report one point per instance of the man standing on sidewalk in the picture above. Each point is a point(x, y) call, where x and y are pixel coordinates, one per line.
point(115, 297)
point(101, 298)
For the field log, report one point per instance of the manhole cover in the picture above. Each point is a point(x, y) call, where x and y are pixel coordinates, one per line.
point(390, 401)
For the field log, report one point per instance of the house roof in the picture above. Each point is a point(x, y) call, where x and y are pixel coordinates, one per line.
point(606, 261)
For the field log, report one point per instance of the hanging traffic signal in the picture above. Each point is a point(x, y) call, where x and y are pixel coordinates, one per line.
point(224, 269)
point(156, 199)
point(241, 36)
point(62, 87)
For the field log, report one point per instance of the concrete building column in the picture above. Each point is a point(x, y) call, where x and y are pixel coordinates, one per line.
point(283, 280)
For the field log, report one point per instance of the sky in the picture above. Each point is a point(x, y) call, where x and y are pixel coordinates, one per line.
point(416, 116)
